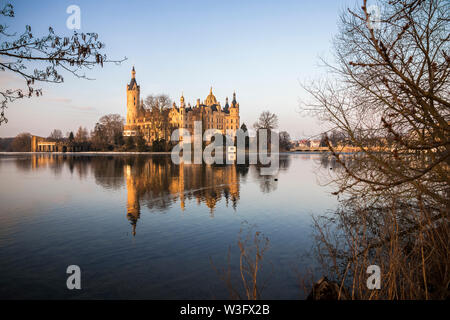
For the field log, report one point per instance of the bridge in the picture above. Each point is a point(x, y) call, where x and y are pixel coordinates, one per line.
point(325, 149)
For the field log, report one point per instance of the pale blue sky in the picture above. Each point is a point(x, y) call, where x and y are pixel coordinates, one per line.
point(261, 49)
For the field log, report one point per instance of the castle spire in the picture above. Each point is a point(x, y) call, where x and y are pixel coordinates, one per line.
point(182, 99)
point(133, 73)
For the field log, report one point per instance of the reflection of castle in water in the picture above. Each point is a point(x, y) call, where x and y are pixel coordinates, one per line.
point(157, 183)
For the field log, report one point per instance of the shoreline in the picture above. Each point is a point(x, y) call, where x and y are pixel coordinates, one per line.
point(123, 153)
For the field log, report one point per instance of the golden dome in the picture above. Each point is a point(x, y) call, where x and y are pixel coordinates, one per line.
point(210, 99)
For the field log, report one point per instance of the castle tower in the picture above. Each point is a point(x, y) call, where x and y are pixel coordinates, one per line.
point(182, 105)
point(234, 103)
point(133, 93)
point(33, 143)
point(234, 114)
point(182, 119)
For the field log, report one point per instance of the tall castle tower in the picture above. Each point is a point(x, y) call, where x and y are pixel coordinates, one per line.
point(133, 94)
point(234, 114)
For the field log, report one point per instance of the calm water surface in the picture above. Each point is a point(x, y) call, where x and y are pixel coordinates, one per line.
point(140, 227)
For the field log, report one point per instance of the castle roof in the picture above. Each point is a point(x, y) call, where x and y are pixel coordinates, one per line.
point(133, 79)
point(211, 99)
point(226, 107)
point(132, 83)
point(234, 102)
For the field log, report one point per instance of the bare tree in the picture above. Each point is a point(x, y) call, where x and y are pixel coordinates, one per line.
point(107, 130)
point(252, 247)
point(21, 143)
point(393, 85)
point(99, 137)
point(112, 124)
point(82, 135)
point(20, 53)
point(159, 101)
point(267, 120)
point(56, 134)
point(285, 140)
point(158, 108)
point(390, 98)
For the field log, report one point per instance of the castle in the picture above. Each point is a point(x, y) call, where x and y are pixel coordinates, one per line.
point(224, 120)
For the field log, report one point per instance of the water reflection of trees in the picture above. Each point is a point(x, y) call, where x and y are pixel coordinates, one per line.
point(269, 183)
point(328, 161)
point(56, 163)
point(400, 229)
point(155, 181)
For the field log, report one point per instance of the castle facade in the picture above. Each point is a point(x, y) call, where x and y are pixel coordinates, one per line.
point(141, 121)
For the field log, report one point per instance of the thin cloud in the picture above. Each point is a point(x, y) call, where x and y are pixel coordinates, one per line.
point(83, 108)
point(57, 99)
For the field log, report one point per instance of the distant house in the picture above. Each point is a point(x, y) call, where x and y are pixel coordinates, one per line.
point(304, 143)
point(314, 143)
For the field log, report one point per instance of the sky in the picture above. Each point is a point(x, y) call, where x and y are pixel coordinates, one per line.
point(263, 50)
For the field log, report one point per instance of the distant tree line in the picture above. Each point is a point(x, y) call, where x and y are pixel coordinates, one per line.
point(5, 144)
point(21, 143)
point(107, 134)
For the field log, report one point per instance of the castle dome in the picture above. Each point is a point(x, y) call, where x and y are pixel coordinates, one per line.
point(182, 100)
point(210, 99)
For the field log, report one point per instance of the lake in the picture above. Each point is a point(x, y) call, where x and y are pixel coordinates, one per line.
point(140, 227)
